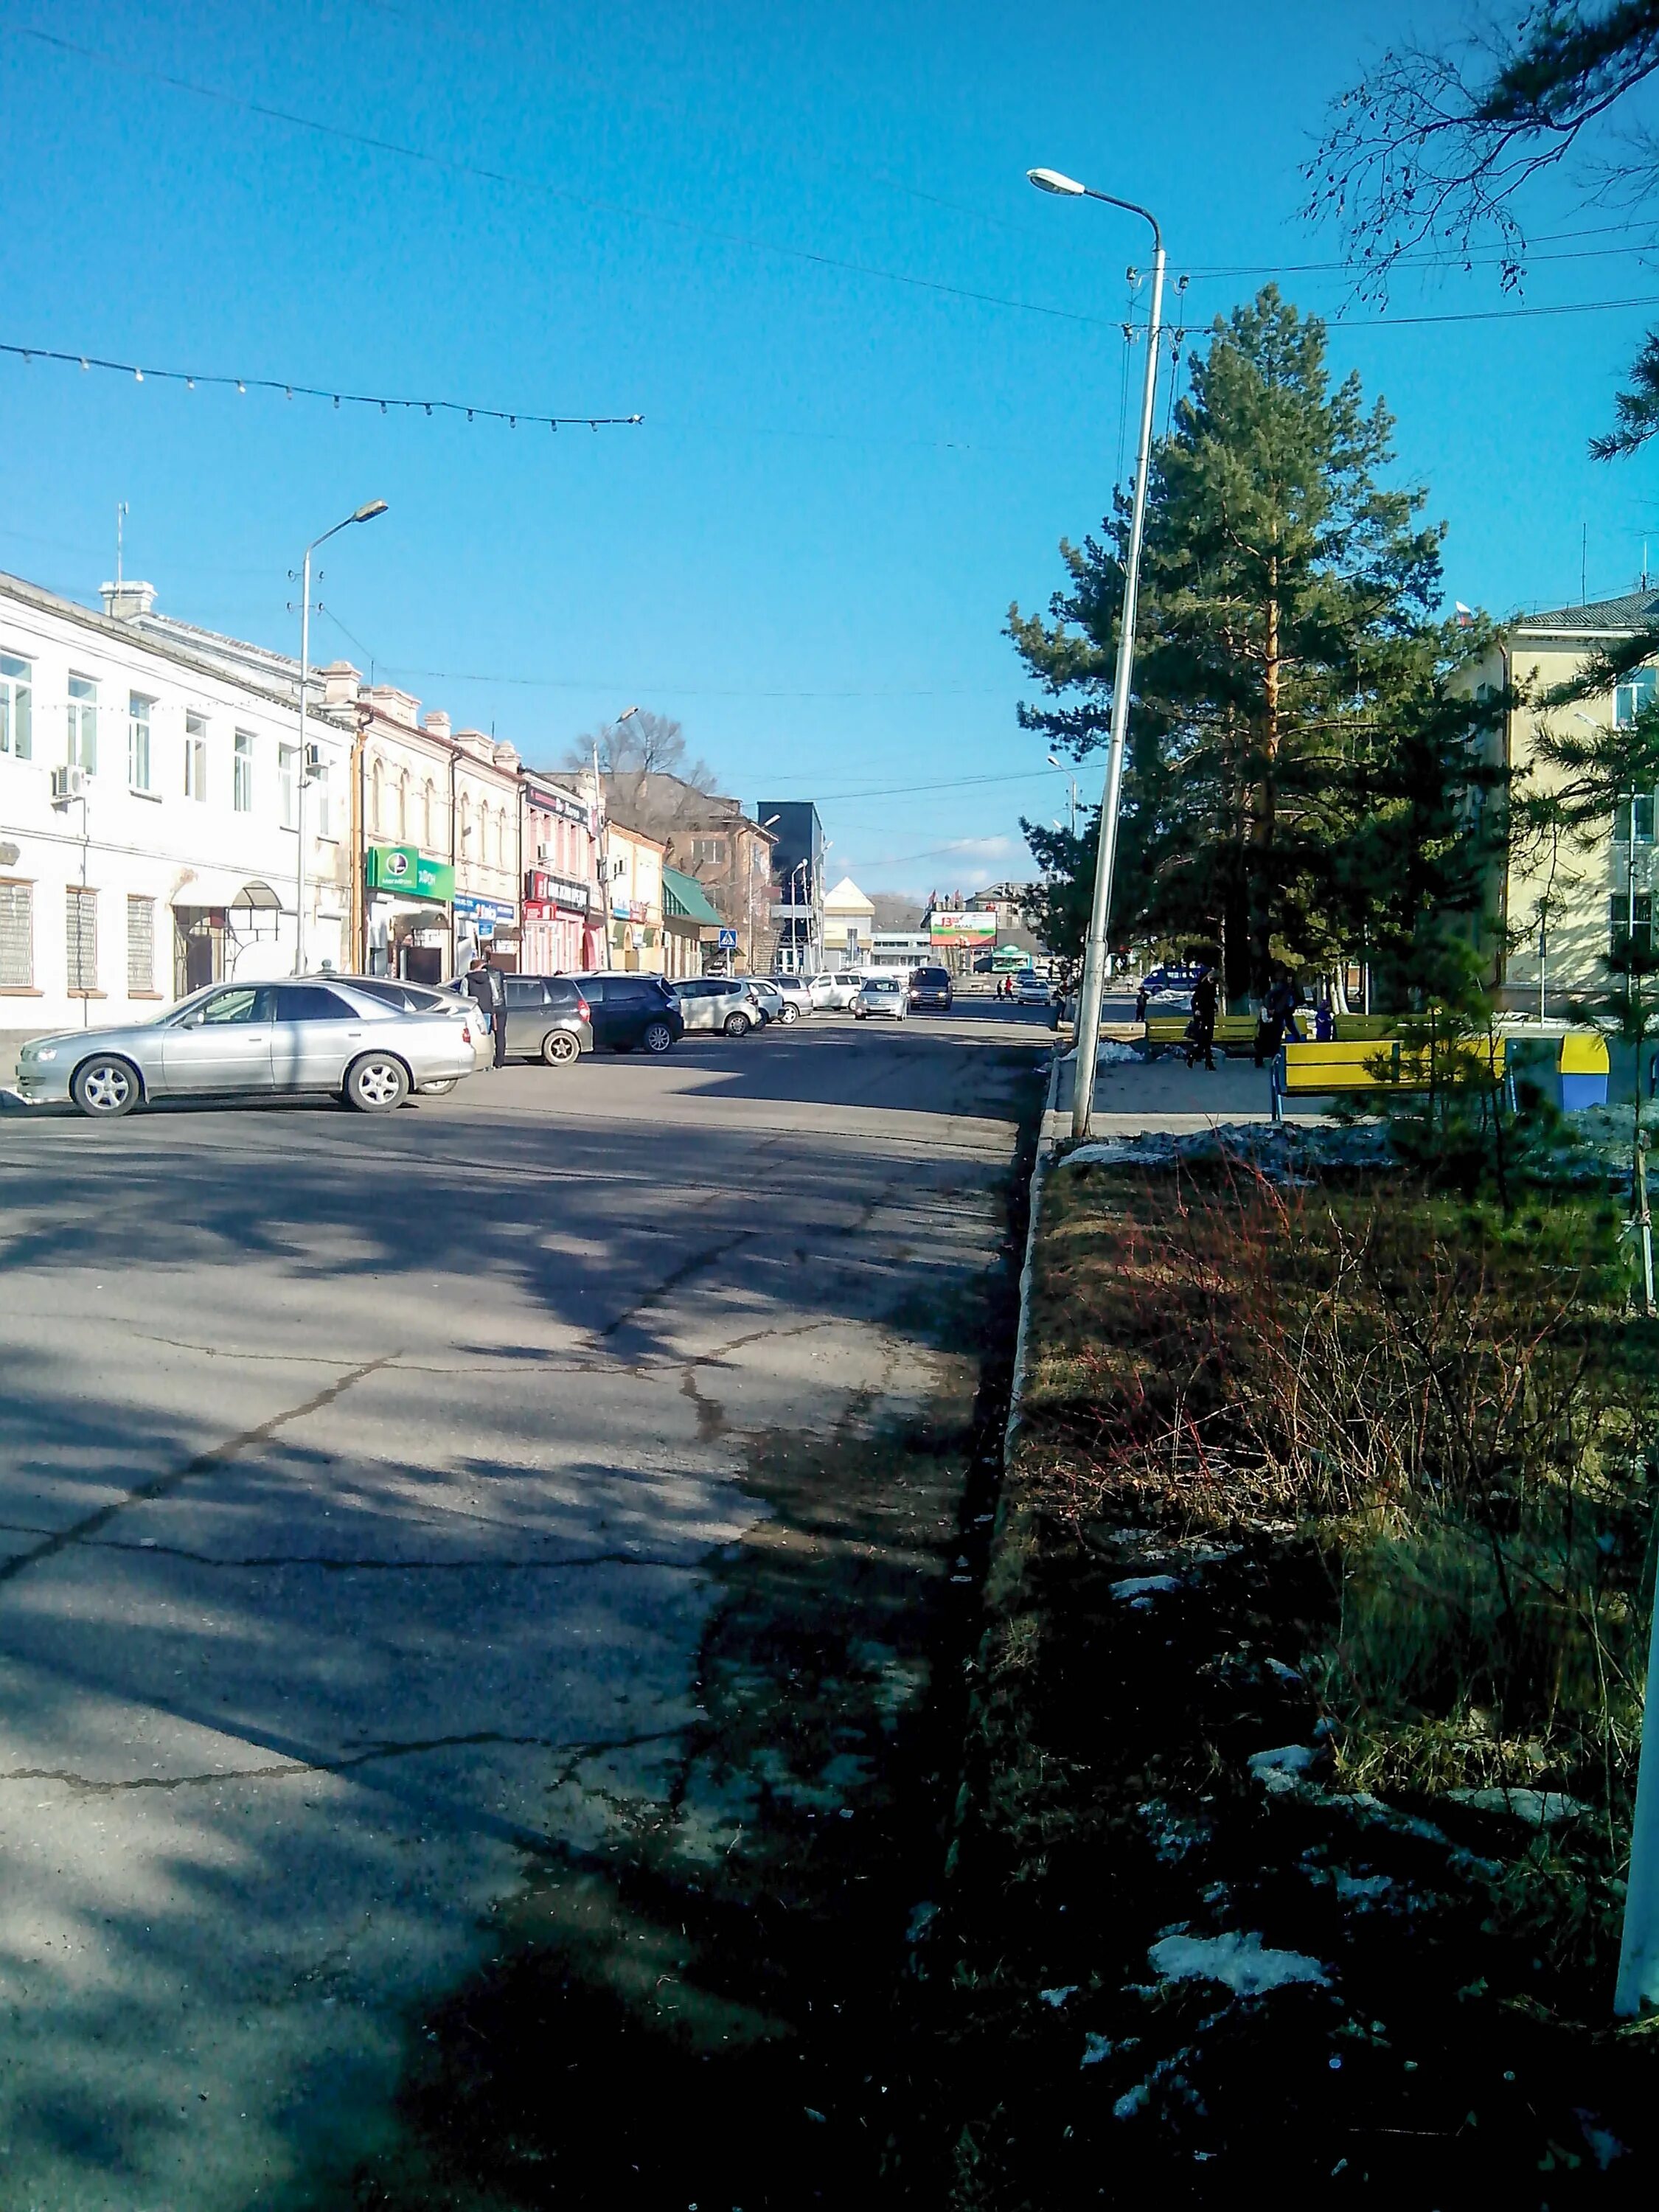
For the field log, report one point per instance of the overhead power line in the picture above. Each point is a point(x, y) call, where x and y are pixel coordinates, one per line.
point(190, 378)
point(515, 182)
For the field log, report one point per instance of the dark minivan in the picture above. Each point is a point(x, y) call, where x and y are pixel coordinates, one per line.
point(931, 987)
point(632, 1010)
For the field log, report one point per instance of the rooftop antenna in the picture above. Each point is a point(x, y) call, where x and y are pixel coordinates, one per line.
point(1644, 564)
point(121, 517)
point(1583, 564)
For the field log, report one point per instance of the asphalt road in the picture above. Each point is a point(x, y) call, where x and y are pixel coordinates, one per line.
point(363, 1482)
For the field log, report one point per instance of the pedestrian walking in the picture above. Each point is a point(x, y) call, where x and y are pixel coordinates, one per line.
point(1140, 1003)
point(1200, 1029)
point(1278, 1016)
point(483, 983)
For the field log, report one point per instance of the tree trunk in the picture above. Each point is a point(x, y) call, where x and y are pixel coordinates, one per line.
point(1264, 809)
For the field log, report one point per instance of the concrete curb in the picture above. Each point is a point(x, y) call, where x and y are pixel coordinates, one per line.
point(1039, 1169)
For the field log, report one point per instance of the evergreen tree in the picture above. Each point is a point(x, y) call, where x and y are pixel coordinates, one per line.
point(1290, 686)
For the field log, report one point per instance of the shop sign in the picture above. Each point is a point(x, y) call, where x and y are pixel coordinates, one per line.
point(557, 890)
point(404, 871)
point(470, 907)
point(559, 804)
point(629, 909)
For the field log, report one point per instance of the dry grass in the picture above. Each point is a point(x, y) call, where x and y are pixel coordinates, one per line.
point(1456, 1405)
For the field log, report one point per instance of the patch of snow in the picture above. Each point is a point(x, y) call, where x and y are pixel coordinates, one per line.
point(1238, 1962)
point(1095, 2048)
point(1353, 1886)
point(1539, 1808)
point(1277, 1771)
point(1145, 1586)
point(1057, 1997)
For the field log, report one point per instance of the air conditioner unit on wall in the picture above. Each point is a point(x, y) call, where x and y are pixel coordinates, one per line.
point(68, 783)
point(315, 763)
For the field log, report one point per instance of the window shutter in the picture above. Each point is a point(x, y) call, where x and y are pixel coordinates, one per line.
point(17, 935)
point(141, 944)
point(82, 917)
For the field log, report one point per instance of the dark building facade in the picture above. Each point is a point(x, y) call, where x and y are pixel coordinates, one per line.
point(797, 879)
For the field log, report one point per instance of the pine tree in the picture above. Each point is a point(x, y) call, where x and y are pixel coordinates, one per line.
point(1291, 684)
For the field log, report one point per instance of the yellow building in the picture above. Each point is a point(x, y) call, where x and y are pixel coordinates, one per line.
point(1561, 906)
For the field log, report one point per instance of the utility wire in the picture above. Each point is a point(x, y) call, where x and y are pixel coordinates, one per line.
point(518, 183)
point(191, 378)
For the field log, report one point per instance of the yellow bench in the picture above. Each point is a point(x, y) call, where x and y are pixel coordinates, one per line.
point(1319, 1071)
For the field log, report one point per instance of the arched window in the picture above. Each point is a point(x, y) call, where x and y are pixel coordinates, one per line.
point(402, 808)
point(426, 796)
point(375, 795)
point(501, 837)
point(466, 823)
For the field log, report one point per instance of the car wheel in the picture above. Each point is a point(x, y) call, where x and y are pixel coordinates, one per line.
point(441, 1088)
point(659, 1037)
point(376, 1083)
point(736, 1025)
point(790, 1014)
point(560, 1049)
point(105, 1087)
point(858, 1013)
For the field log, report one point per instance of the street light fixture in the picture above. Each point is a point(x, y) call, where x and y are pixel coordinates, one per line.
point(1094, 958)
point(366, 513)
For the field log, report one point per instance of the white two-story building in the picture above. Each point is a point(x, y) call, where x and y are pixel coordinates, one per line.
point(150, 796)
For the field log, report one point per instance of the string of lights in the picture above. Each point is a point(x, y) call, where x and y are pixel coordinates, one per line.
point(191, 378)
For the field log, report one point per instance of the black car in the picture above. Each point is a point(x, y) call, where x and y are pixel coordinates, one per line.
point(632, 1010)
point(931, 987)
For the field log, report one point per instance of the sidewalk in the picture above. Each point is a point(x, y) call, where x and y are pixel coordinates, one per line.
point(1135, 1095)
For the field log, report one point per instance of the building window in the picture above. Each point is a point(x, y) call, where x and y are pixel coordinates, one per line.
point(288, 786)
point(138, 710)
point(1622, 824)
point(1629, 922)
point(708, 852)
point(141, 944)
point(402, 808)
point(195, 757)
point(80, 915)
point(241, 773)
point(16, 937)
point(426, 797)
point(1636, 691)
point(84, 724)
point(375, 783)
point(16, 707)
point(322, 814)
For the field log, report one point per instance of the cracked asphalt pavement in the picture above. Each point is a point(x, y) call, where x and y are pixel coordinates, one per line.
point(362, 1487)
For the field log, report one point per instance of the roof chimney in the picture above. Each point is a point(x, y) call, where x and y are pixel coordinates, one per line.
point(436, 722)
point(123, 602)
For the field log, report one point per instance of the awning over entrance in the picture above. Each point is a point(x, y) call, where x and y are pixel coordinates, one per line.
point(256, 897)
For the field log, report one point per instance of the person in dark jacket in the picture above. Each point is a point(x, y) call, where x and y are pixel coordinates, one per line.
point(1200, 1030)
point(1278, 1016)
point(483, 983)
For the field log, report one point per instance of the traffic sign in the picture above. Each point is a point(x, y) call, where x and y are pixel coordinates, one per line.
point(728, 940)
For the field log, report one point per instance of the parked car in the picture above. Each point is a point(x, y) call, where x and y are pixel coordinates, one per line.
point(318, 1033)
point(627, 1009)
point(931, 987)
point(881, 994)
point(548, 1018)
point(719, 1002)
point(774, 1006)
point(1032, 989)
point(797, 999)
point(1171, 982)
point(430, 998)
point(835, 991)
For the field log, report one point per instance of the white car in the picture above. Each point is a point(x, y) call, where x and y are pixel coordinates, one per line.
point(835, 991)
point(764, 993)
point(881, 994)
point(1032, 989)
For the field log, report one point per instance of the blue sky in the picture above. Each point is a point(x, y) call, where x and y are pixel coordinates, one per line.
point(807, 551)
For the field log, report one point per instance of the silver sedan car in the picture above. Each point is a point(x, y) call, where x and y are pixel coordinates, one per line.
point(318, 1033)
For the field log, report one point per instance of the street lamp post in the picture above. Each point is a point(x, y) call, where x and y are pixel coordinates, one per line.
point(1094, 958)
point(367, 513)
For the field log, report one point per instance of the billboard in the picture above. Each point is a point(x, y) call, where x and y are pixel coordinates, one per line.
point(951, 927)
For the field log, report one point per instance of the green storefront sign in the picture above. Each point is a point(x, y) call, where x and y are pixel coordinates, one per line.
point(403, 869)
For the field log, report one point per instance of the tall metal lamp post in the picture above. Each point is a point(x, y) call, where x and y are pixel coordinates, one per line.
point(364, 513)
point(1094, 958)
